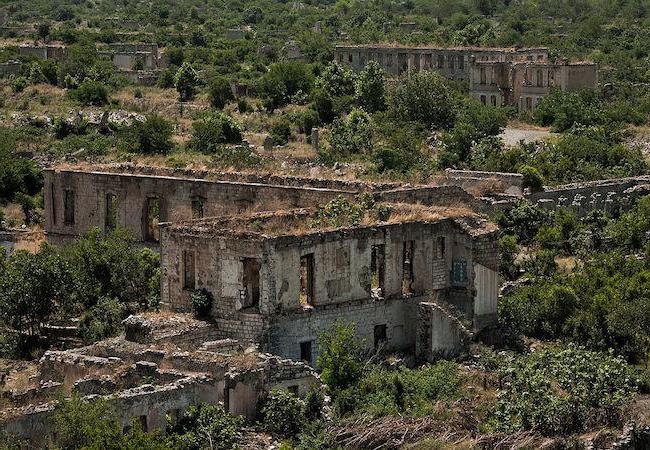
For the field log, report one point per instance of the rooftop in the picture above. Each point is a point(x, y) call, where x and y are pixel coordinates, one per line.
point(308, 221)
point(437, 47)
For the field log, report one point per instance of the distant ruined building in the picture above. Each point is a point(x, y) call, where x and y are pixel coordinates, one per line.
point(515, 77)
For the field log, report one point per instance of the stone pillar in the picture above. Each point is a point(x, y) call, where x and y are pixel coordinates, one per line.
point(315, 137)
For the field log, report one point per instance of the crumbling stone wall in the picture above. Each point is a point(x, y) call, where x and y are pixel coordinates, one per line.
point(607, 195)
point(176, 195)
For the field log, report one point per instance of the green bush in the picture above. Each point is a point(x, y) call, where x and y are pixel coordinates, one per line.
point(280, 131)
point(563, 391)
point(186, 82)
point(90, 92)
point(205, 426)
point(533, 180)
point(212, 130)
point(282, 413)
point(351, 135)
point(424, 97)
point(370, 88)
point(201, 302)
point(220, 92)
point(19, 84)
point(101, 321)
point(339, 359)
point(153, 136)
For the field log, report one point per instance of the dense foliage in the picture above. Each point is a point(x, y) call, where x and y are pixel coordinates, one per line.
point(86, 277)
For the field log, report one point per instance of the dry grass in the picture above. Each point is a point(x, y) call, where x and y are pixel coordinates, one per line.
point(487, 186)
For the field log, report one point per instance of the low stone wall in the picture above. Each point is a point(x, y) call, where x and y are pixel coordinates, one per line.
point(480, 182)
point(608, 195)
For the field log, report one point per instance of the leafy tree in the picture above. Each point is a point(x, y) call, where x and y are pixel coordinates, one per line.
point(282, 81)
point(90, 92)
point(80, 60)
point(339, 359)
point(282, 412)
point(351, 134)
point(424, 97)
point(336, 81)
point(280, 131)
point(153, 136)
point(370, 88)
point(17, 175)
point(43, 30)
point(32, 288)
point(36, 74)
point(532, 178)
point(101, 321)
point(205, 426)
point(220, 92)
point(212, 130)
point(186, 81)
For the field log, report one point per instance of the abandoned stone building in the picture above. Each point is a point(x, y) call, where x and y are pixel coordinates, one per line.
point(133, 56)
point(277, 282)
point(524, 84)
point(44, 51)
point(162, 364)
point(138, 198)
point(453, 63)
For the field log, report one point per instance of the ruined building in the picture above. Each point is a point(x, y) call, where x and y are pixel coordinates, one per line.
point(416, 274)
point(451, 62)
point(524, 84)
point(517, 77)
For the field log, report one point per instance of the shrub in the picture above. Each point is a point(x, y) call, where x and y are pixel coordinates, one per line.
point(101, 321)
point(220, 92)
point(562, 391)
point(306, 120)
point(212, 130)
point(186, 81)
point(352, 134)
point(205, 426)
point(370, 89)
point(36, 74)
point(314, 402)
point(339, 360)
point(166, 80)
point(281, 412)
point(90, 92)
point(283, 81)
point(137, 93)
point(243, 106)
point(153, 136)
point(533, 180)
point(424, 97)
point(19, 84)
point(201, 302)
point(280, 131)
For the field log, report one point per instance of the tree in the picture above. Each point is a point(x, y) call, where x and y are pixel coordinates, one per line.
point(352, 134)
point(282, 413)
point(424, 97)
point(153, 136)
point(336, 81)
point(370, 88)
point(220, 92)
point(205, 426)
point(43, 30)
point(280, 131)
point(284, 80)
point(339, 359)
point(212, 130)
point(32, 288)
point(186, 82)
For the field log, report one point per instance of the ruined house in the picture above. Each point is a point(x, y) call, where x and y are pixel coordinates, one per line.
point(524, 84)
point(279, 283)
point(162, 364)
point(451, 62)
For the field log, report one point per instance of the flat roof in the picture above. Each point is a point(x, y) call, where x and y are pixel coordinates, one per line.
point(437, 47)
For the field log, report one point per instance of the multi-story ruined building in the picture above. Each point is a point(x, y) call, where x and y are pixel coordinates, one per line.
point(130, 56)
point(279, 282)
point(517, 77)
point(452, 62)
point(257, 278)
point(524, 84)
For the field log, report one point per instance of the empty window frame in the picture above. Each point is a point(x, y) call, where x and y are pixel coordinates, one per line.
point(450, 61)
point(251, 281)
point(152, 219)
point(483, 75)
point(68, 207)
point(440, 247)
point(197, 207)
point(540, 77)
point(459, 272)
point(380, 336)
point(461, 62)
point(110, 214)
point(493, 100)
point(377, 269)
point(349, 57)
point(407, 267)
point(306, 352)
point(483, 99)
point(529, 104)
point(307, 280)
point(53, 200)
point(189, 270)
point(143, 423)
point(441, 61)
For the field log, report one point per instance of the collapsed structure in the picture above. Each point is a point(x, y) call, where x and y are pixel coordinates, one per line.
point(416, 272)
point(162, 365)
point(516, 77)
